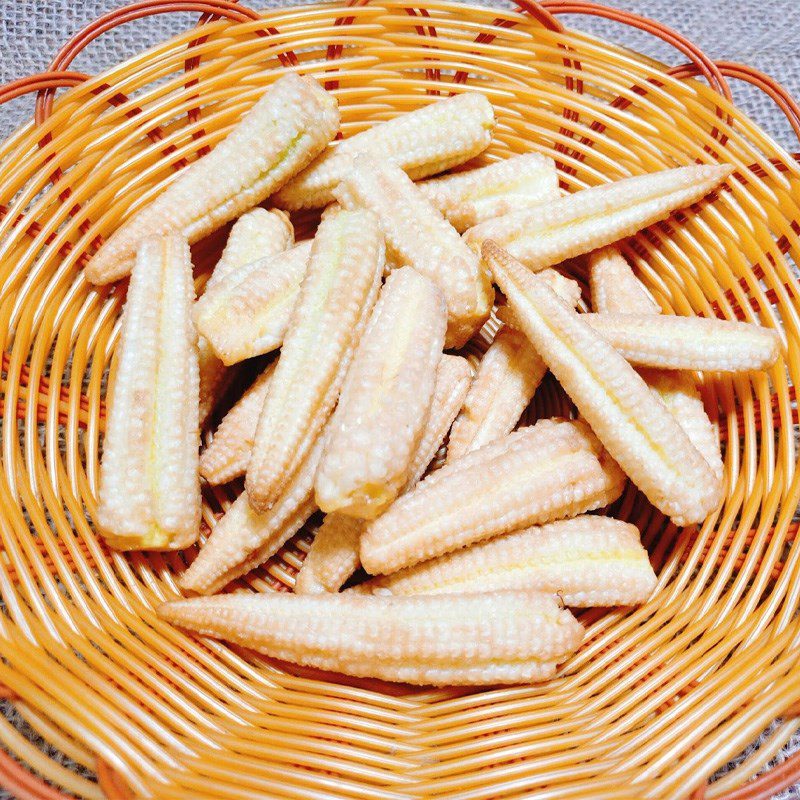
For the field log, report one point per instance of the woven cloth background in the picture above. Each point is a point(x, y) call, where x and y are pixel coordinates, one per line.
point(763, 33)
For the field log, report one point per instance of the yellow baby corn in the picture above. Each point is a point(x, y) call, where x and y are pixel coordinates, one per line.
point(228, 454)
point(587, 561)
point(245, 538)
point(615, 289)
point(149, 481)
point(417, 235)
point(422, 142)
point(385, 399)
point(695, 343)
point(535, 475)
point(247, 313)
point(631, 421)
point(473, 196)
point(337, 294)
point(285, 129)
point(592, 218)
point(489, 638)
point(334, 556)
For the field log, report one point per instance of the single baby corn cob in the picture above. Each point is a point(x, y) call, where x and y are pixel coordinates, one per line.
point(490, 638)
point(256, 234)
point(245, 538)
point(535, 475)
point(592, 218)
point(423, 142)
point(628, 418)
point(615, 289)
point(228, 454)
point(588, 561)
point(334, 556)
point(417, 235)
point(467, 198)
point(695, 343)
point(285, 129)
point(247, 313)
point(149, 482)
point(385, 400)
point(339, 290)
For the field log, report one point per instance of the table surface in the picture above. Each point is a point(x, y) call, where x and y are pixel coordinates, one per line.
point(762, 33)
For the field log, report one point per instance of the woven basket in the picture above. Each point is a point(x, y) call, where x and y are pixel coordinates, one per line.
point(657, 698)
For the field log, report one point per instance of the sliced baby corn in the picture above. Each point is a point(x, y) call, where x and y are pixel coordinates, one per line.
point(473, 196)
point(417, 235)
point(615, 289)
point(422, 142)
point(228, 454)
point(490, 638)
point(535, 475)
point(247, 313)
point(385, 400)
point(245, 538)
point(149, 483)
point(285, 129)
point(592, 218)
point(338, 292)
point(587, 561)
point(334, 555)
point(695, 343)
point(628, 418)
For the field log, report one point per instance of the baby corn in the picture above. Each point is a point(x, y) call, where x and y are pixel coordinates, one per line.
point(615, 289)
point(285, 129)
point(417, 235)
point(149, 482)
point(467, 198)
point(490, 638)
point(535, 475)
point(228, 454)
point(422, 142)
point(339, 290)
point(592, 218)
point(628, 418)
point(695, 343)
point(247, 313)
point(385, 399)
point(245, 538)
point(587, 561)
point(334, 556)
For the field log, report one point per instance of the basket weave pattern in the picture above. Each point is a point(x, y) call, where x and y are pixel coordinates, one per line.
point(656, 699)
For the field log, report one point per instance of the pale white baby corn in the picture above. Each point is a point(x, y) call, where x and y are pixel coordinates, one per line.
point(631, 421)
point(587, 561)
point(256, 234)
point(385, 399)
point(338, 292)
point(473, 196)
point(696, 343)
point(615, 289)
point(535, 475)
point(228, 454)
point(334, 553)
point(149, 482)
point(489, 638)
point(247, 313)
point(417, 235)
point(245, 538)
point(281, 134)
point(422, 142)
point(577, 223)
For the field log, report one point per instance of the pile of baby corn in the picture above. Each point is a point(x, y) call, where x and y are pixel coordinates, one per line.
point(473, 563)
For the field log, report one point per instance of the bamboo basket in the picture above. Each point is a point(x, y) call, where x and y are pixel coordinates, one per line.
point(657, 698)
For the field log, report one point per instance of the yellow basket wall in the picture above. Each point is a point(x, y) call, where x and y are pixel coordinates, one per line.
point(656, 699)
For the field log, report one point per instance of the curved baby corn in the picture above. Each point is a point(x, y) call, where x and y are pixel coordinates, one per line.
point(614, 287)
